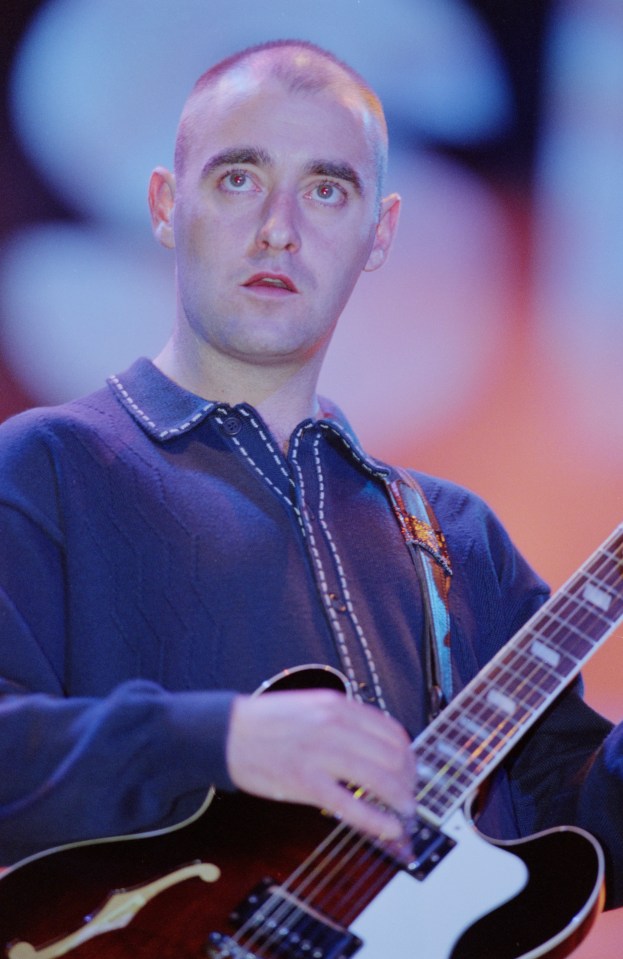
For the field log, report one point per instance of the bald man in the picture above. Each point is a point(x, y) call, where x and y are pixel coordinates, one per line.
point(206, 521)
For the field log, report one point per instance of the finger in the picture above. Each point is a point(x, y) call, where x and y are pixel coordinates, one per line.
point(383, 764)
point(391, 788)
point(280, 750)
point(364, 816)
point(381, 730)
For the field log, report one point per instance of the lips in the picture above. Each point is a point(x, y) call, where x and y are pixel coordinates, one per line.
point(271, 281)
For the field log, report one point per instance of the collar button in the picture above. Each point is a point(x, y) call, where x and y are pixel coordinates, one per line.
point(232, 425)
point(337, 603)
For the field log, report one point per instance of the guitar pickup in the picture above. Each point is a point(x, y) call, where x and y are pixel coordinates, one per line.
point(428, 848)
point(275, 919)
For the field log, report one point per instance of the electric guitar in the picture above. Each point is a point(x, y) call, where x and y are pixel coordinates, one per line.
point(247, 878)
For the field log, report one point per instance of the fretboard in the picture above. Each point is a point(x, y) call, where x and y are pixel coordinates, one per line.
point(479, 727)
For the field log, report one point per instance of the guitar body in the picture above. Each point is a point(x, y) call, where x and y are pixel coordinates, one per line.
point(219, 885)
point(483, 901)
point(251, 879)
point(48, 897)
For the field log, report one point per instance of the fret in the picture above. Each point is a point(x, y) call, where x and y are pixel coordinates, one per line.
point(541, 647)
point(451, 768)
point(479, 727)
point(580, 625)
point(526, 685)
point(586, 620)
point(525, 668)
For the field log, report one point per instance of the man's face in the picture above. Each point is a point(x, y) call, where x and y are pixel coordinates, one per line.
point(275, 217)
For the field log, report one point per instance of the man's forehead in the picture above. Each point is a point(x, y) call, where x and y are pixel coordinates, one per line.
point(236, 102)
point(228, 96)
point(242, 83)
point(300, 70)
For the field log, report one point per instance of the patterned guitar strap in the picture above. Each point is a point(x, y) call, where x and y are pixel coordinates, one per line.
point(427, 547)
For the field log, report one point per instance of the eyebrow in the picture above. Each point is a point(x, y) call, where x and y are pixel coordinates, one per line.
point(337, 171)
point(252, 155)
point(256, 156)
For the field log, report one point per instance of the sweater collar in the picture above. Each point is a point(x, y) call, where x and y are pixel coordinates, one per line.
point(165, 410)
point(160, 407)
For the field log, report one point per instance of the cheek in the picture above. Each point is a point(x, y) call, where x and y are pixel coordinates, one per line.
point(194, 231)
point(349, 241)
point(344, 259)
point(197, 238)
point(338, 277)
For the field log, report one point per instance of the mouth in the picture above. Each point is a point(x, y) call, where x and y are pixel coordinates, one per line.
point(271, 281)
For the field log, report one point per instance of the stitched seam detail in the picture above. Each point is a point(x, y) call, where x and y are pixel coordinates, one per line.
point(268, 443)
point(378, 470)
point(322, 580)
point(162, 434)
point(219, 419)
point(343, 582)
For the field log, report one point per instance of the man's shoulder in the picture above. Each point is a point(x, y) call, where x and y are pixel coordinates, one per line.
point(450, 499)
point(465, 518)
point(42, 430)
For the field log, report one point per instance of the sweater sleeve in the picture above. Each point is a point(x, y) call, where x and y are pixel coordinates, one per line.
point(569, 771)
point(73, 767)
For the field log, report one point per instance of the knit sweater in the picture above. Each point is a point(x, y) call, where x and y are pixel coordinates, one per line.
point(160, 554)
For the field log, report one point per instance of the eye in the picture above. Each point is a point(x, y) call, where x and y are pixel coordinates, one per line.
point(236, 181)
point(329, 193)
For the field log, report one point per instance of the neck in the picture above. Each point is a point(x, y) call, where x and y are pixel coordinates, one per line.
point(283, 394)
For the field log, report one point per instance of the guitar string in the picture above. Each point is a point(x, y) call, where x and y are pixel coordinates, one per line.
point(571, 601)
point(557, 620)
point(278, 911)
point(587, 614)
point(375, 868)
point(375, 857)
point(286, 913)
point(559, 625)
point(284, 909)
point(504, 731)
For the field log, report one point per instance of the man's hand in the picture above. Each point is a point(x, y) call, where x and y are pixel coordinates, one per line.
point(306, 746)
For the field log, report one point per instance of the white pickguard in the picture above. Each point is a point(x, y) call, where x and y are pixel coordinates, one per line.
point(413, 919)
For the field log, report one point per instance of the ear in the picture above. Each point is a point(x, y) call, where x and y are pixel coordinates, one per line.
point(385, 231)
point(161, 197)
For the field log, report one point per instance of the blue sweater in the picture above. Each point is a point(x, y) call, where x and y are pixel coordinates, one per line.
point(159, 554)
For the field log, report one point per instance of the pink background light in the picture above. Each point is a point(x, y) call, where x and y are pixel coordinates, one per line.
point(489, 349)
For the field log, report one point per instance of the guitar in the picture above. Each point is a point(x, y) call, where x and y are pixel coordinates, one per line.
point(246, 878)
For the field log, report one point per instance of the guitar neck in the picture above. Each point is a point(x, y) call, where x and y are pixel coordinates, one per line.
point(479, 727)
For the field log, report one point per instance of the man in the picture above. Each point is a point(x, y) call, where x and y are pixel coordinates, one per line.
point(206, 521)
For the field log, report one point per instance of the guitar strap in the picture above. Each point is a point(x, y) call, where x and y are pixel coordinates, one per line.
point(427, 547)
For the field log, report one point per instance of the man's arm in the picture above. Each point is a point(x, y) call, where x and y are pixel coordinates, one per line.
point(569, 771)
point(139, 757)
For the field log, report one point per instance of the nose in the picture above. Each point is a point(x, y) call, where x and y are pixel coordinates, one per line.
point(278, 229)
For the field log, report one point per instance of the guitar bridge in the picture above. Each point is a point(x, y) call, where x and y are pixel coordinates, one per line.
point(420, 850)
point(428, 847)
point(273, 918)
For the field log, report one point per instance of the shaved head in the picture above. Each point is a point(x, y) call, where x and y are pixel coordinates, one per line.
point(302, 68)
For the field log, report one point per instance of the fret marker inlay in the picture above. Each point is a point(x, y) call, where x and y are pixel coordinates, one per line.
point(498, 700)
point(447, 750)
point(480, 725)
point(473, 727)
point(545, 653)
point(598, 597)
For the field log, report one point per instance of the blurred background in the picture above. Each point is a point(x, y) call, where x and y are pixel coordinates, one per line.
point(488, 350)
